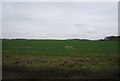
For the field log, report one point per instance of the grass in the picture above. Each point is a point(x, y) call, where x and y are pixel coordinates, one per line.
point(60, 59)
point(60, 46)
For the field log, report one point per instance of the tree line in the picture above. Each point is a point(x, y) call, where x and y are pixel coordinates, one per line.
point(109, 38)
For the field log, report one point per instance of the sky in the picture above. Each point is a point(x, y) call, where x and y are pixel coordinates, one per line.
point(59, 20)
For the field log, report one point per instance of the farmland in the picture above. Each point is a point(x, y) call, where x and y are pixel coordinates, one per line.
point(60, 59)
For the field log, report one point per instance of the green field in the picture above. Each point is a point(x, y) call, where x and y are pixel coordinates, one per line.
point(60, 59)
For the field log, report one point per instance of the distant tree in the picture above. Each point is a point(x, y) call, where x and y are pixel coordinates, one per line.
point(112, 38)
point(101, 40)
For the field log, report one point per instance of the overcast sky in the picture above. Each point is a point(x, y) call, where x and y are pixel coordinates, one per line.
point(60, 20)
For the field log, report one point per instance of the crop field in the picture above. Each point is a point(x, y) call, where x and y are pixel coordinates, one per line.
point(60, 59)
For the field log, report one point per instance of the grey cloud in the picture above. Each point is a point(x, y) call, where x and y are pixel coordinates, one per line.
point(80, 25)
point(60, 20)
